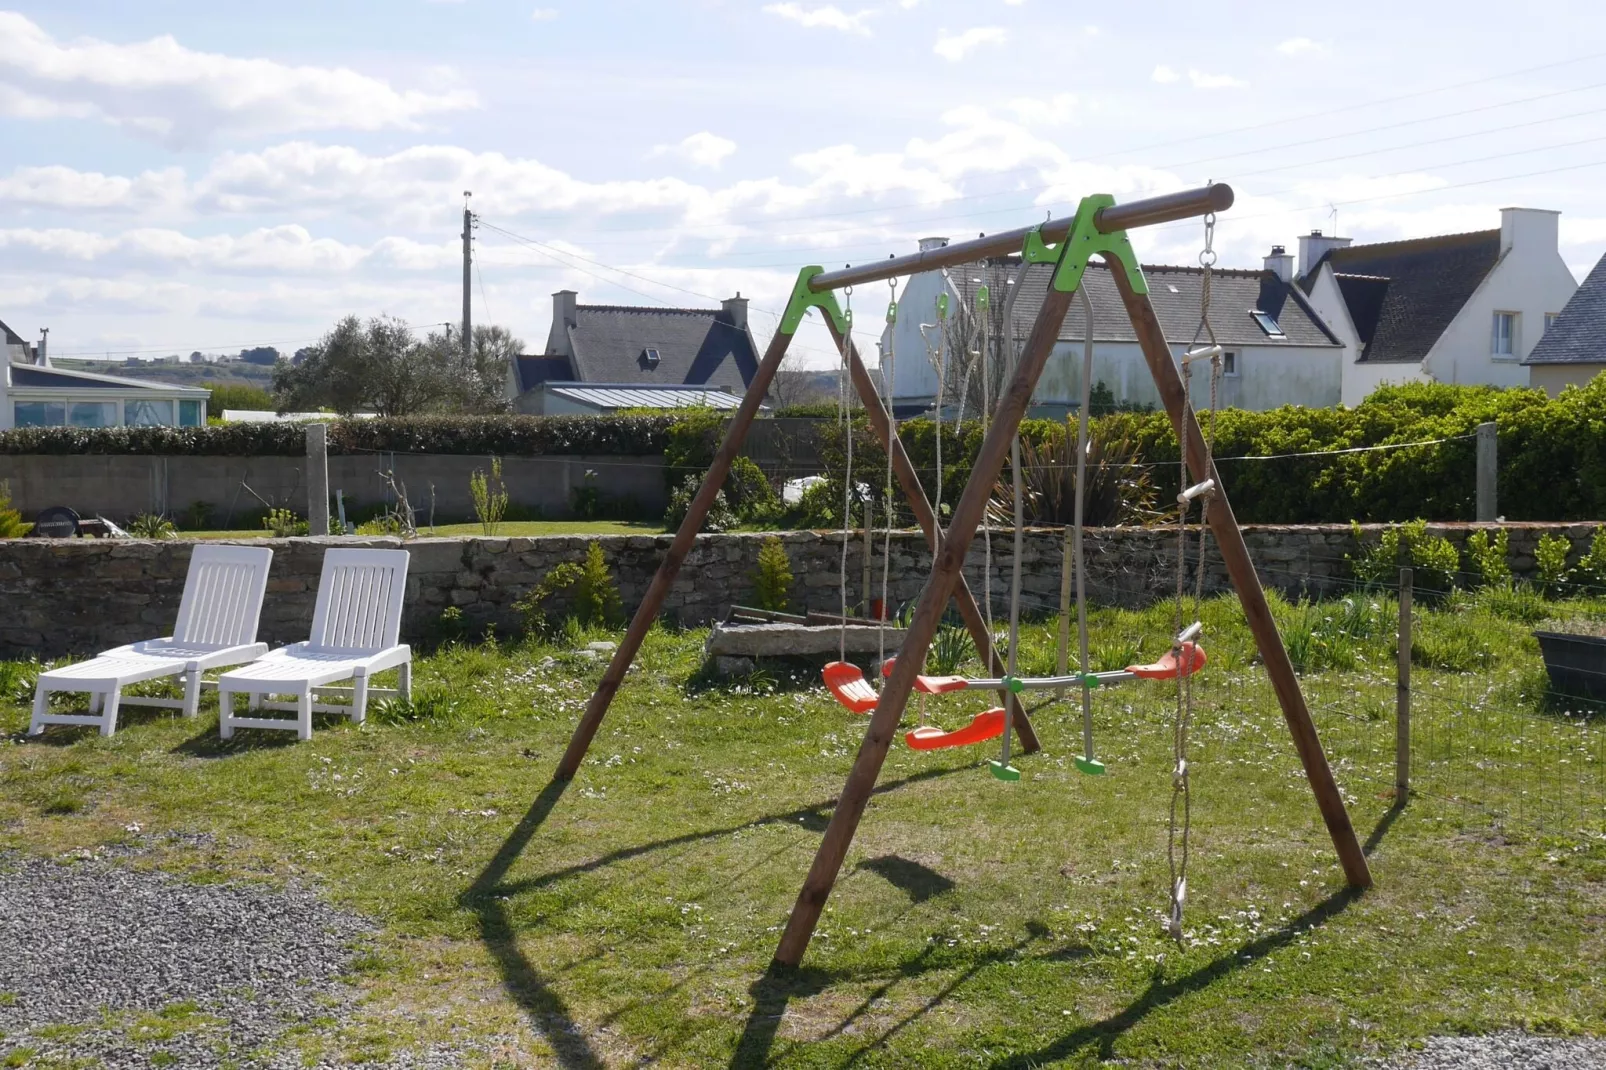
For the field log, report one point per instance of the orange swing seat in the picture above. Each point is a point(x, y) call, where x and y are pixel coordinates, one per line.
point(930, 685)
point(1169, 668)
point(847, 683)
point(985, 726)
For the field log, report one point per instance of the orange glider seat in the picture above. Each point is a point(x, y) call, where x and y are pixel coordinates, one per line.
point(931, 685)
point(1167, 668)
point(989, 725)
point(850, 687)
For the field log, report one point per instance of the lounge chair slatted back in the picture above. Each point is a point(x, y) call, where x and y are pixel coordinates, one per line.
point(223, 595)
point(360, 600)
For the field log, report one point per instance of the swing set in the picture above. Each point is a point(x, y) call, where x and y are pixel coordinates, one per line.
point(1098, 228)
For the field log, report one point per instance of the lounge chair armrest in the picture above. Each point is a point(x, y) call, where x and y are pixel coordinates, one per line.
point(144, 646)
point(390, 658)
point(231, 655)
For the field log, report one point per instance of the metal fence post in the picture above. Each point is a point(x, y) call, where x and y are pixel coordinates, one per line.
point(1488, 474)
point(317, 479)
point(1402, 695)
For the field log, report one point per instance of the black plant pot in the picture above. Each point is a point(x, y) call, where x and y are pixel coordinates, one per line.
point(1576, 663)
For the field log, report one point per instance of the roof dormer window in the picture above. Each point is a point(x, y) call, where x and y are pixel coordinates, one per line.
point(1267, 323)
point(649, 357)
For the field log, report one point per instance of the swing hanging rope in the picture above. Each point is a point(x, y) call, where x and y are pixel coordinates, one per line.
point(845, 412)
point(1177, 846)
point(889, 379)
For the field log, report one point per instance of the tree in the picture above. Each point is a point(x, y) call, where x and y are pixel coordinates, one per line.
point(476, 383)
point(796, 385)
point(357, 366)
point(236, 396)
point(266, 355)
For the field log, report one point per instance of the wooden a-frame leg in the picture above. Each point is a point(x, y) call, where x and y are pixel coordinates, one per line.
point(652, 602)
point(947, 569)
point(1241, 570)
point(915, 494)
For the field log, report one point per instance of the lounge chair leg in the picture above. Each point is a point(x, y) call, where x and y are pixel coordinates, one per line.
point(108, 716)
point(95, 700)
point(192, 693)
point(225, 714)
point(41, 698)
point(304, 713)
point(404, 679)
point(359, 698)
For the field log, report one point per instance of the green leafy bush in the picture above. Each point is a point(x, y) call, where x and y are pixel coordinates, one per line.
point(950, 648)
point(242, 396)
point(1550, 558)
point(152, 526)
point(490, 497)
point(748, 490)
point(284, 523)
point(11, 522)
point(1591, 570)
point(772, 582)
point(593, 596)
point(719, 517)
point(1488, 557)
point(1432, 558)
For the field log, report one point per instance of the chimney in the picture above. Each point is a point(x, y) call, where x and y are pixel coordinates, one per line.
point(1314, 246)
point(41, 356)
point(1528, 229)
point(736, 309)
point(563, 317)
point(932, 243)
point(1281, 263)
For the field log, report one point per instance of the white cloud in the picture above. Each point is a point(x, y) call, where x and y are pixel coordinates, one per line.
point(1164, 75)
point(702, 149)
point(1201, 80)
point(1298, 46)
point(544, 14)
point(1057, 109)
point(954, 47)
point(62, 188)
point(181, 97)
point(828, 17)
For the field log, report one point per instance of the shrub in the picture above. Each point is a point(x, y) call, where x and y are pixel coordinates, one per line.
point(821, 505)
point(11, 522)
point(1119, 490)
point(152, 526)
point(1431, 557)
point(719, 517)
point(773, 580)
point(809, 410)
point(748, 490)
point(1488, 557)
point(242, 396)
point(594, 598)
point(1591, 570)
point(490, 497)
point(1550, 557)
point(284, 523)
point(950, 648)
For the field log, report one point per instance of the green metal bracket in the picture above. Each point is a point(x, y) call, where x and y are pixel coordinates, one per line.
point(1090, 680)
point(1038, 251)
point(1084, 242)
point(1004, 772)
point(942, 306)
point(981, 299)
point(804, 299)
point(892, 312)
point(1089, 766)
point(1013, 685)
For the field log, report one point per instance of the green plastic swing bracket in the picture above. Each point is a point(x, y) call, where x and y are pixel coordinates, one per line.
point(803, 299)
point(1085, 241)
point(1003, 771)
point(942, 306)
point(1013, 685)
point(981, 299)
point(1089, 766)
point(1089, 680)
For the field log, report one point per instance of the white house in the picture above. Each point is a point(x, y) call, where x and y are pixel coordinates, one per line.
point(1455, 308)
point(1278, 351)
point(1573, 348)
point(34, 394)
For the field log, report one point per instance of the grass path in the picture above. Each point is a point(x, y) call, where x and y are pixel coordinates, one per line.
point(631, 915)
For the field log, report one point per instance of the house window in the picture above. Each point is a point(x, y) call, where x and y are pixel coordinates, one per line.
point(1550, 319)
point(1267, 323)
point(39, 413)
point(191, 414)
point(147, 413)
point(1229, 363)
point(1505, 334)
point(651, 357)
point(92, 414)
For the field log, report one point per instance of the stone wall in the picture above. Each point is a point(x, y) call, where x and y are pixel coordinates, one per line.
point(61, 597)
point(119, 486)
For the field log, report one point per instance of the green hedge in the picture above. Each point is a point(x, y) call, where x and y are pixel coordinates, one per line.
point(508, 436)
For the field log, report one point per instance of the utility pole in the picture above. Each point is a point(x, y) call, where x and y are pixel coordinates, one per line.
point(468, 268)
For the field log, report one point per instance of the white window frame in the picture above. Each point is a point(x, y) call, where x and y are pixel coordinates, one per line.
point(1513, 337)
point(1229, 364)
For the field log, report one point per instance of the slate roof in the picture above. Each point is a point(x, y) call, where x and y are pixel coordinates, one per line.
point(533, 371)
point(30, 375)
point(12, 337)
point(696, 346)
point(1174, 292)
point(1402, 295)
point(1578, 336)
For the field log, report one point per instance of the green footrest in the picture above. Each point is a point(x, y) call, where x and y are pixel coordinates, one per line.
point(1004, 772)
point(1089, 766)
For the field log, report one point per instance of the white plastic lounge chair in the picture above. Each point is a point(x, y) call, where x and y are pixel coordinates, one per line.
point(354, 631)
point(217, 627)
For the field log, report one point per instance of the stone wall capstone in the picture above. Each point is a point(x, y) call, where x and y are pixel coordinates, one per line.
point(83, 595)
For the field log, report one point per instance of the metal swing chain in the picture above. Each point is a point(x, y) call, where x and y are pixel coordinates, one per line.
point(846, 412)
point(1180, 786)
point(889, 380)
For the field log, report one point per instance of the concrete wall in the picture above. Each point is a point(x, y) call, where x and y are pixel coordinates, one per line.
point(120, 486)
point(1552, 378)
point(78, 596)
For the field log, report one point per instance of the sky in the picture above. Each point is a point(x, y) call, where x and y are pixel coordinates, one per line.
point(179, 175)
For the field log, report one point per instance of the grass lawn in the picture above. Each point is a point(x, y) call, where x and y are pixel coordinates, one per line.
point(507, 528)
point(631, 916)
